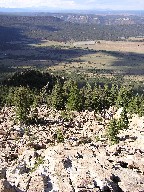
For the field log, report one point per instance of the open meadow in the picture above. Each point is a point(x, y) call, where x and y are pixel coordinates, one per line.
point(103, 58)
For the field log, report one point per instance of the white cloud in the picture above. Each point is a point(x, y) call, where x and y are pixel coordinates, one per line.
point(75, 4)
point(37, 3)
point(117, 4)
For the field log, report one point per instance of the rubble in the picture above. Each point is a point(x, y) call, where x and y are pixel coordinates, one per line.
point(32, 159)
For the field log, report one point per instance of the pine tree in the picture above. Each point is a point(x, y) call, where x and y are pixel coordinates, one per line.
point(87, 94)
point(106, 96)
point(113, 94)
point(131, 106)
point(123, 121)
point(136, 105)
point(23, 100)
point(112, 131)
point(10, 96)
point(101, 99)
point(58, 97)
point(124, 96)
point(141, 108)
point(96, 100)
point(60, 136)
point(74, 101)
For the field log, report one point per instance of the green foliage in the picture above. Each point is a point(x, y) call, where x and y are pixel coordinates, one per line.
point(3, 95)
point(116, 125)
point(70, 96)
point(96, 99)
point(141, 109)
point(84, 140)
point(101, 98)
point(87, 95)
point(113, 94)
point(58, 97)
point(35, 28)
point(123, 121)
point(23, 99)
point(97, 138)
point(31, 78)
point(74, 101)
point(10, 96)
point(136, 105)
point(67, 115)
point(60, 136)
point(39, 161)
point(100, 119)
point(27, 131)
point(124, 96)
point(113, 130)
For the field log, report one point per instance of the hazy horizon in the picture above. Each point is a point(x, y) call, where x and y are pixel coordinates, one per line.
point(69, 11)
point(115, 5)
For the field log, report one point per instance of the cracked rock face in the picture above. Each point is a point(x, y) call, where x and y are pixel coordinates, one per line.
point(33, 160)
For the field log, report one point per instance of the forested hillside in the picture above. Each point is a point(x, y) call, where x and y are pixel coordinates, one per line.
point(38, 88)
point(31, 29)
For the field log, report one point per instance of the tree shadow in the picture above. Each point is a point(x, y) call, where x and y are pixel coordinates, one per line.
point(48, 28)
point(13, 38)
point(40, 57)
point(17, 50)
point(18, 34)
point(129, 63)
point(47, 185)
point(55, 54)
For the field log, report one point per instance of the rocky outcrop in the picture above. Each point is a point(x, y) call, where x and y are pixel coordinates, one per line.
point(32, 159)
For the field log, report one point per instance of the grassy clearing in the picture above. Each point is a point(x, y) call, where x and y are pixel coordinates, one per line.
point(107, 58)
point(110, 58)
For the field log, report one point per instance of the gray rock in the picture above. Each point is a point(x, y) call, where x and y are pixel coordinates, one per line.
point(5, 186)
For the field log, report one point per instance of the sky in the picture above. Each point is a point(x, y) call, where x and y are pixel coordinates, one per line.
point(75, 4)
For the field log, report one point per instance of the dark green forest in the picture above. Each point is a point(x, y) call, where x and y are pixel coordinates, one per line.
point(35, 28)
point(34, 88)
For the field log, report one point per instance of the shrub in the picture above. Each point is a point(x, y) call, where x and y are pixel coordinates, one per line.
point(74, 101)
point(123, 121)
point(116, 125)
point(58, 99)
point(39, 161)
point(67, 115)
point(112, 131)
point(22, 100)
point(60, 136)
point(3, 95)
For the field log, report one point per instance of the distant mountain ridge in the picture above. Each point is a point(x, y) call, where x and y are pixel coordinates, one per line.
point(52, 10)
